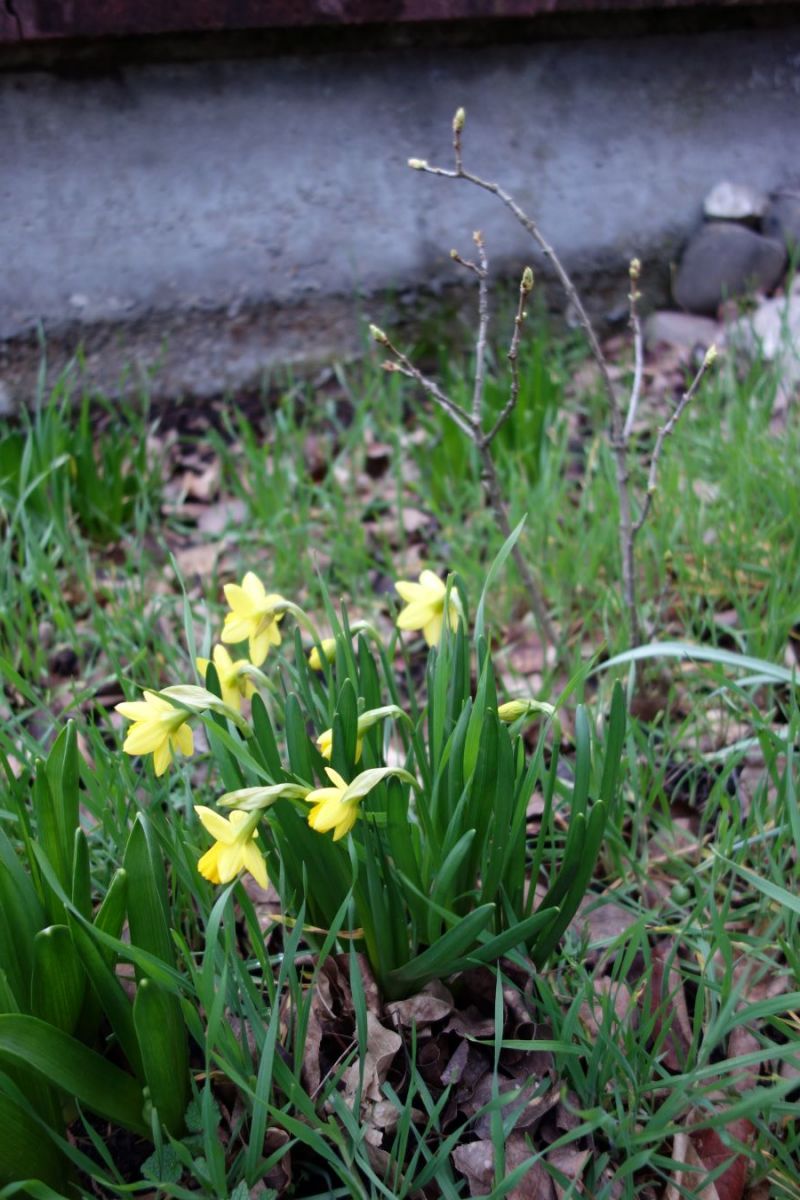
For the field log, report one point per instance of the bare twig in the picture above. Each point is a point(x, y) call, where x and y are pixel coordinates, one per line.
point(471, 425)
point(483, 326)
point(458, 125)
point(664, 433)
point(634, 296)
point(525, 289)
point(406, 367)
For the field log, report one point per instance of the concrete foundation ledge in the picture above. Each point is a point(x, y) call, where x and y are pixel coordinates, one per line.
point(201, 222)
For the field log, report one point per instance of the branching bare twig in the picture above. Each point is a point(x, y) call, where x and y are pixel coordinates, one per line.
point(619, 432)
point(664, 433)
point(525, 289)
point(472, 427)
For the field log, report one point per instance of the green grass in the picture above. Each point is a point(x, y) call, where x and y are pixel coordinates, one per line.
point(703, 854)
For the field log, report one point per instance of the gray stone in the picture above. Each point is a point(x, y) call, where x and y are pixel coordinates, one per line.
point(724, 260)
point(773, 331)
point(683, 330)
point(782, 219)
point(734, 202)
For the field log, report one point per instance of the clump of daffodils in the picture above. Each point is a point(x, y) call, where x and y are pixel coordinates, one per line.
point(361, 776)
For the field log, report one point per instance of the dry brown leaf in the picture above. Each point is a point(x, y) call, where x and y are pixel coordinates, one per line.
point(477, 1163)
point(592, 1013)
point(202, 485)
point(712, 1153)
point(684, 1182)
point(666, 995)
point(382, 1046)
point(433, 1003)
point(197, 560)
point(216, 518)
point(571, 1163)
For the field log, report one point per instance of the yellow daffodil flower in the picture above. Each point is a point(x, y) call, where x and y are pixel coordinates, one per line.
point(325, 744)
point(425, 606)
point(158, 728)
point(367, 719)
point(234, 849)
point(330, 810)
point(512, 710)
point(336, 807)
point(254, 616)
point(233, 681)
point(328, 650)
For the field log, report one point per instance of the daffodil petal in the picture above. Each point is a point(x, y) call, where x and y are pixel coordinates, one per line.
point(336, 778)
point(347, 822)
point(230, 861)
point(259, 646)
point(432, 584)
point(183, 739)
point(135, 710)
point(319, 796)
point(231, 695)
point(410, 592)
point(432, 631)
point(222, 660)
point(236, 628)
point(254, 863)
point(254, 590)
point(327, 814)
point(220, 829)
point(415, 616)
point(162, 757)
point(145, 737)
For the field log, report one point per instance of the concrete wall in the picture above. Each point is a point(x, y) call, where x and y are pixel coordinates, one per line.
point(218, 217)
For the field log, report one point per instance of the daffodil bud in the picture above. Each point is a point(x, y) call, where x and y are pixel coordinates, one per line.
point(512, 710)
point(255, 799)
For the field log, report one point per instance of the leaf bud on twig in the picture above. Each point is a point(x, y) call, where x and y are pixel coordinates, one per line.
point(526, 284)
point(378, 335)
point(458, 120)
point(417, 164)
point(635, 269)
point(711, 357)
